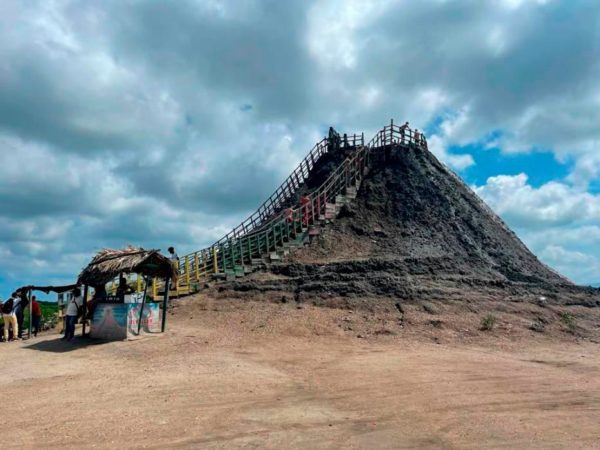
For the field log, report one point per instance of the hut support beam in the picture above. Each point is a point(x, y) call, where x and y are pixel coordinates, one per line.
point(165, 304)
point(147, 281)
point(85, 309)
point(30, 314)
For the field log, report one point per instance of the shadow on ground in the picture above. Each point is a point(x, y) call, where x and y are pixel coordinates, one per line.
point(60, 346)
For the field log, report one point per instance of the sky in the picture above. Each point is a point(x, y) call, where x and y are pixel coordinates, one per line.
point(166, 123)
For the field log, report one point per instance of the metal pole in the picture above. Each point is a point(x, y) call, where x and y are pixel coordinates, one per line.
point(165, 305)
point(143, 303)
point(85, 311)
point(30, 314)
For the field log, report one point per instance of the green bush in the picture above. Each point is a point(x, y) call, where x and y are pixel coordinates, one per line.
point(488, 322)
point(569, 320)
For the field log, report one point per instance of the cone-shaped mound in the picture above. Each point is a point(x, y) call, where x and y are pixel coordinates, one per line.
point(412, 207)
point(416, 231)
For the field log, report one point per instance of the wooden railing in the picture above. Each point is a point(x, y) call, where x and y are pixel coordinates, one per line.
point(288, 188)
point(397, 135)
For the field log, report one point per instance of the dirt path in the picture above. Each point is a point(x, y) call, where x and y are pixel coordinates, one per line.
point(230, 380)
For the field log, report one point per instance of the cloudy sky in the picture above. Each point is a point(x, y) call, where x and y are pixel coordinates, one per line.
point(166, 123)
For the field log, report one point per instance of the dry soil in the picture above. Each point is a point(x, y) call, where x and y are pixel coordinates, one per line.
point(233, 374)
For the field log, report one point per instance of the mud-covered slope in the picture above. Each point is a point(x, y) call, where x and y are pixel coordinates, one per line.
point(416, 231)
point(412, 206)
point(324, 167)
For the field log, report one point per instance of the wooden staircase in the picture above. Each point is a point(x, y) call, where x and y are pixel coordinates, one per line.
point(274, 231)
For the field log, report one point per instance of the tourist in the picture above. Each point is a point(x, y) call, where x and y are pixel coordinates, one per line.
point(173, 257)
point(305, 205)
point(36, 315)
point(333, 140)
point(73, 312)
point(403, 130)
point(19, 311)
point(123, 288)
point(10, 318)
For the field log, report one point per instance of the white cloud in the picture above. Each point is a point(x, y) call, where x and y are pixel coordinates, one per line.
point(579, 266)
point(437, 146)
point(553, 203)
point(559, 222)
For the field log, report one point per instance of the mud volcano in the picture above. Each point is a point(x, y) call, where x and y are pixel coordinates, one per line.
point(415, 231)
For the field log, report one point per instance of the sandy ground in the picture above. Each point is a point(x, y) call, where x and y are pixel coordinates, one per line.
point(265, 375)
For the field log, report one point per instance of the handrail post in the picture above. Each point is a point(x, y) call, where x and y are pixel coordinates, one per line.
point(197, 266)
point(187, 271)
point(215, 262)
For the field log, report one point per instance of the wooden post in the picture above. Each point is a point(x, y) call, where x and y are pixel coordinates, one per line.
point(187, 271)
point(30, 315)
point(143, 304)
point(165, 305)
point(215, 262)
point(154, 288)
point(138, 287)
point(85, 311)
point(197, 266)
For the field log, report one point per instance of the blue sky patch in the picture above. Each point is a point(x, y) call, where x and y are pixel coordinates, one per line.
point(540, 167)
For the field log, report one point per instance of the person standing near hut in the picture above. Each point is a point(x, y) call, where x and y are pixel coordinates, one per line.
point(73, 311)
point(18, 313)
point(20, 310)
point(10, 318)
point(36, 316)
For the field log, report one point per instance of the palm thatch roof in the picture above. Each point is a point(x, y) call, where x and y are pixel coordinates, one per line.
point(109, 263)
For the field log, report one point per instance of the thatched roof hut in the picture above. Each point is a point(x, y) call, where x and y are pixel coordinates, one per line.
point(109, 263)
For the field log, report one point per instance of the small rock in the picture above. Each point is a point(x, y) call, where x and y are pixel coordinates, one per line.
point(428, 307)
point(436, 323)
point(537, 326)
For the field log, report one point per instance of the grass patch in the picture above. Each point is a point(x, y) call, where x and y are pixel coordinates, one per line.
point(569, 320)
point(488, 322)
